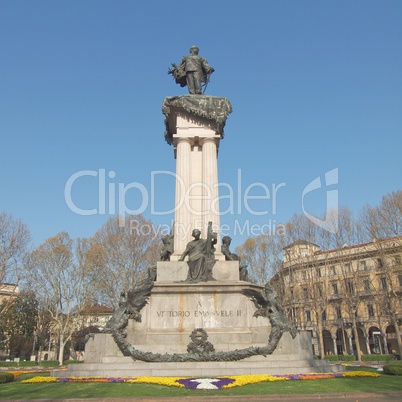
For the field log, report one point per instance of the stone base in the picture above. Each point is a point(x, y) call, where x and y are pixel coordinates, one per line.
point(175, 310)
point(291, 356)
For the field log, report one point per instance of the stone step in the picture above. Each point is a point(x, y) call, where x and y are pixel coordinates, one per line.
point(254, 359)
point(193, 369)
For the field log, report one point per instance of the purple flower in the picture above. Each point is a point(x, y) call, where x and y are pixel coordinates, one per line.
point(293, 376)
point(189, 383)
point(113, 379)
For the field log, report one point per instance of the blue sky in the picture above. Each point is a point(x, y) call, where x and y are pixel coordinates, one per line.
point(314, 85)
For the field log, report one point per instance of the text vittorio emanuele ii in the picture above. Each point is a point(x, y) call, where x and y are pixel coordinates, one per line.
point(198, 313)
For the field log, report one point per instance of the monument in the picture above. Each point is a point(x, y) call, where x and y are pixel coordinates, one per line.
point(197, 314)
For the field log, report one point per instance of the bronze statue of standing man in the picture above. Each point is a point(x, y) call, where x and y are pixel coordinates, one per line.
point(192, 71)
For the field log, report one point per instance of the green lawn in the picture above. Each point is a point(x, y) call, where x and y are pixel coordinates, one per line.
point(16, 390)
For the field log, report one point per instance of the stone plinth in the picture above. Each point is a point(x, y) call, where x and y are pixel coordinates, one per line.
point(176, 271)
point(174, 310)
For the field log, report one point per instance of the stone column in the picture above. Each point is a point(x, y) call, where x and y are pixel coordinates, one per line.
point(194, 125)
point(368, 344)
point(352, 351)
point(384, 343)
point(335, 346)
point(210, 204)
point(183, 177)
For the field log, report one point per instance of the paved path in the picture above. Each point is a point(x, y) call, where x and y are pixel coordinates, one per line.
point(344, 397)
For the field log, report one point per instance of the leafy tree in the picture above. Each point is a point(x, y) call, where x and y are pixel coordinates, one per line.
point(78, 339)
point(17, 324)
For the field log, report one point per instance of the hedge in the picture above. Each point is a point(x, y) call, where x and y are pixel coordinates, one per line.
point(6, 377)
point(365, 358)
point(394, 368)
point(44, 363)
point(377, 358)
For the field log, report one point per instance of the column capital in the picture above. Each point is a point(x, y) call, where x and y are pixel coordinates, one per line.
point(204, 140)
point(180, 139)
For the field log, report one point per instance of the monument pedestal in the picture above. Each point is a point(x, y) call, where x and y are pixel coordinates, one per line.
point(175, 310)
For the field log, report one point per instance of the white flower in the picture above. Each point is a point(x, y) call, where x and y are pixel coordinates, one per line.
point(206, 383)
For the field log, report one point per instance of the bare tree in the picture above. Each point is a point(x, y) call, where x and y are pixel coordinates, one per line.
point(306, 293)
point(118, 256)
point(263, 256)
point(14, 242)
point(385, 220)
point(305, 276)
point(383, 224)
point(61, 284)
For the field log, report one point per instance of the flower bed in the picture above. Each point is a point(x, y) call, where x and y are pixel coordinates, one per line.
point(203, 383)
point(18, 373)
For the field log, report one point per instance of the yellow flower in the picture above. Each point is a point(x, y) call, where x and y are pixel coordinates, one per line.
point(360, 374)
point(168, 381)
point(241, 380)
point(39, 379)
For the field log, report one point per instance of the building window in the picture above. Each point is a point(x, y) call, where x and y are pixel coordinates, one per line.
point(338, 313)
point(303, 252)
point(318, 270)
point(398, 260)
point(305, 293)
point(294, 312)
point(350, 288)
point(383, 283)
point(366, 284)
point(319, 289)
point(308, 315)
point(304, 275)
point(400, 280)
point(332, 269)
point(380, 263)
point(324, 315)
point(290, 276)
point(370, 310)
point(363, 265)
point(334, 288)
point(348, 267)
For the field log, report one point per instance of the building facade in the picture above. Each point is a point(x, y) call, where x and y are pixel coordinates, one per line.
point(96, 315)
point(7, 291)
point(349, 298)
